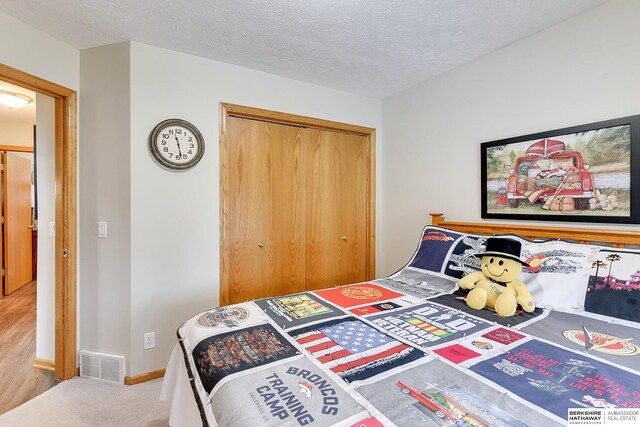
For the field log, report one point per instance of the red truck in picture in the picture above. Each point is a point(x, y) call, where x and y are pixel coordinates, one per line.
point(548, 173)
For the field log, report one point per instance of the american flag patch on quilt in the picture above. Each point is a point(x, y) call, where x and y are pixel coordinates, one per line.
point(353, 349)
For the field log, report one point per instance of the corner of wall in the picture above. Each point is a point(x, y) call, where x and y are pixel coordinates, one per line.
point(104, 193)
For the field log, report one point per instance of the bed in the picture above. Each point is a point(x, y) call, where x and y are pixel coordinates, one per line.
point(406, 350)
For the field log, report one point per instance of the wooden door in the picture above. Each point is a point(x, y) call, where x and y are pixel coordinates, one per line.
point(17, 221)
point(265, 221)
point(337, 203)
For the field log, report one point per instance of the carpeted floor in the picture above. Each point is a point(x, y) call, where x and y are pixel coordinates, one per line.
point(86, 402)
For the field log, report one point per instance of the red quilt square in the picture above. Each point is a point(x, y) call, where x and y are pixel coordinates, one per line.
point(368, 422)
point(503, 336)
point(363, 311)
point(363, 293)
point(456, 353)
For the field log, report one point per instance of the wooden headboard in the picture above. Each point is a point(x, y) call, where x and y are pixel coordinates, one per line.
point(616, 238)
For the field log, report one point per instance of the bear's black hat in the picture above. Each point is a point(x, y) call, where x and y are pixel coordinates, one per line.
point(503, 248)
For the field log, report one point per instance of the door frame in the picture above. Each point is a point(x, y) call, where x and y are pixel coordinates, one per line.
point(66, 195)
point(233, 110)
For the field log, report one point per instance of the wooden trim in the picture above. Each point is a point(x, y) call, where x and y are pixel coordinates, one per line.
point(617, 238)
point(66, 134)
point(66, 235)
point(36, 84)
point(224, 206)
point(233, 110)
point(19, 148)
point(292, 119)
point(371, 196)
point(47, 365)
point(5, 252)
point(148, 376)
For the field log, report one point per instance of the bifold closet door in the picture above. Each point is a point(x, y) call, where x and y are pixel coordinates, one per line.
point(266, 205)
point(337, 184)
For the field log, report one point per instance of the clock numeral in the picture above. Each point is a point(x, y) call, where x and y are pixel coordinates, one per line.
point(170, 155)
point(178, 131)
point(191, 146)
point(170, 131)
point(165, 149)
point(164, 142)
point(190, 152)
point(178, 157)
point(190, 138)
point(165, 135)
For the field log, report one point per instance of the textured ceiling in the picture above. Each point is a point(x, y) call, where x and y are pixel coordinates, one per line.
point(371, 47)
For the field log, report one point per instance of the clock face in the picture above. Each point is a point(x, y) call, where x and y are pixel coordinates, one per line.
point(176, 144)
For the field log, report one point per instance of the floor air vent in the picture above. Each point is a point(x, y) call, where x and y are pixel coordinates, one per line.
point(102, 366)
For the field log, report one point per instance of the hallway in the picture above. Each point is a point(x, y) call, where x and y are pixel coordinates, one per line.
point(19, 380)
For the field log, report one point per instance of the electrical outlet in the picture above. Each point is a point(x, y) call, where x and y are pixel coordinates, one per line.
point(149, 340)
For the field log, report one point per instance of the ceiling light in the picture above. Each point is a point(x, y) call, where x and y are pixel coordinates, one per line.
point(14, 100)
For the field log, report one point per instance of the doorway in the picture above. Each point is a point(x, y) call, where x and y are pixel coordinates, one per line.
point(17, 186)
point(65, 213)
point(25, 296)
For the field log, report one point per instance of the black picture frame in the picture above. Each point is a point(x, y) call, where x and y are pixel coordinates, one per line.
point(585, 173)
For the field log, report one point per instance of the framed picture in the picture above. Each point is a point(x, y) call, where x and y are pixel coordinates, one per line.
point(587, 173)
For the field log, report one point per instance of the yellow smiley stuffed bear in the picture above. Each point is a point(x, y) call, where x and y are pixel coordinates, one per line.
point(496, 285)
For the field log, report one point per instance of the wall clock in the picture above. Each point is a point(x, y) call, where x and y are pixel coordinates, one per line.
point(176, 144)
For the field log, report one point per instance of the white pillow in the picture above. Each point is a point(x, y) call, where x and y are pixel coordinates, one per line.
point(559, 274)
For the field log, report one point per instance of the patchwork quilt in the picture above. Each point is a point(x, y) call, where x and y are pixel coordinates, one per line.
point(405, 350)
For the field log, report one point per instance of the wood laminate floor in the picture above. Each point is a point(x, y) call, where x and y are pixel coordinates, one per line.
point(19, 380)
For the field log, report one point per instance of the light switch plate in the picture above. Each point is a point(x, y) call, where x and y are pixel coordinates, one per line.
point(52, 229)
point(102, 229)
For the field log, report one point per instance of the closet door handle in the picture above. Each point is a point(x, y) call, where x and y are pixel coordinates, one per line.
point(344, 238)
point(261, 245)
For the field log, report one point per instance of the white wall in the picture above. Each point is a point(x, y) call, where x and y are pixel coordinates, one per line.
point(45, 157)
point(104, 190)
point(35, 52)
point(16, 133)
point(580, 71)
point(30, 50)
point(174, 216)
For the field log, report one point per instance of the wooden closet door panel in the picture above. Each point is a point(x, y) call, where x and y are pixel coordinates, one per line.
point(266, 203)
point(336, 208)
point(17, 213)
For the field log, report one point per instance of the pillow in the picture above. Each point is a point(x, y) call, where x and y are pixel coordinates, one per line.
point(462, 259)
point(433, 249)
point(559, 273)
point(614, 284)
point(558, 279)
